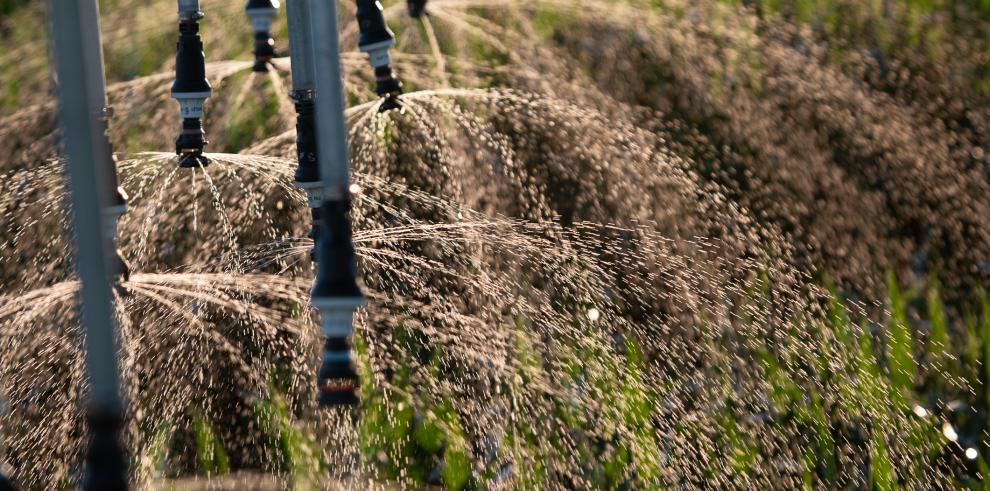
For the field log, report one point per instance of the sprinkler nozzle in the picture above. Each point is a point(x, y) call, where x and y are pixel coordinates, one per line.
point(416, 8)
point(338, 380)
point(337, 295)
point(262, 13)
point(191, 88)
point(106, 465)
point(189, 145)
point(376, 39)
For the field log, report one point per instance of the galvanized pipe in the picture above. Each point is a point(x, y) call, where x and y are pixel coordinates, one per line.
point(82, 117)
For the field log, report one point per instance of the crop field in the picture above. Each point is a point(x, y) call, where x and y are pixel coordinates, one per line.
point(603, 244)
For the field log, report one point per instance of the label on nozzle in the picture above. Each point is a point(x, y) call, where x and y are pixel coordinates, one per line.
point(378, 53)
point(261, 19)
point(314, 197)
point(191, 108)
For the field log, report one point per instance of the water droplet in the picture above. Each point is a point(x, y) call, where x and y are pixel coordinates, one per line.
point(949, 432)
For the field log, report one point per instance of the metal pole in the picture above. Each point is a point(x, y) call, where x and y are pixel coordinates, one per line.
point(84, 137)
point(336, 294)
point(331, 130)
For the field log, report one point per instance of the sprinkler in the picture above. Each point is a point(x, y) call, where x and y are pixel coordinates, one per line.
point(416, 8)
point(262, 13)
point(336, 293)
point(301, 56)
point(191, 88)
point(95, 200)
point(375, 39)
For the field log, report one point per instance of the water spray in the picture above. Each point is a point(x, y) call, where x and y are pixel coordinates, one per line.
point(262, 13)
point(416, 8)
point(376, 39)
point(301, 57)
point(191, 88)
point(336, 293)
point(95, 201)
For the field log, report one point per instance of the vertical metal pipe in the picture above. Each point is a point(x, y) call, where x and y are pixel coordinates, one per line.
point(113, 200)
point(331, 129)
point(336, 293)
point(300, 44)
point(84, 136)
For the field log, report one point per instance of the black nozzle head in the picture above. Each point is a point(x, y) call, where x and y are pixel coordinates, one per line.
point(371, 23)
point(264, 51)
point(391, 102)
point(416, 8)
point(189, 146)
point(338, 380)
point(193, 160)
point(387, 86)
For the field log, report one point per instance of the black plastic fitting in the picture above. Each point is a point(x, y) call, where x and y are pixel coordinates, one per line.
point(338, 379)
point(189, 145)
point(190, 61)
point(371, 23)
point(336, 276)
point(416, 8)
point(106, 466)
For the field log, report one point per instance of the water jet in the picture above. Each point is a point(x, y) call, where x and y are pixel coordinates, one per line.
point(262, 13)
point(336, 294)
point(191, 88)
point(375, 39)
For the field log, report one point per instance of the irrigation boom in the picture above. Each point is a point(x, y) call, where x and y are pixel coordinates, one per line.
point(95, 202)
point(336, 293)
